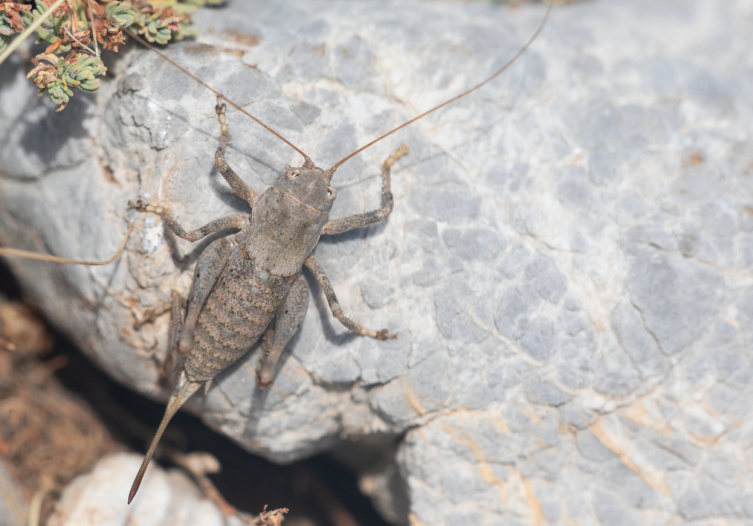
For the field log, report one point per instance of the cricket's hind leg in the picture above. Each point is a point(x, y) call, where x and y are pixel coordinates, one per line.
point(289, 319)
point(208, 269)
point(176, 323)
point(175, 308)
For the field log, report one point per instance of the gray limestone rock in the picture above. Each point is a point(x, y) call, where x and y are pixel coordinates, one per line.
point(568, 265)
point(167, 498)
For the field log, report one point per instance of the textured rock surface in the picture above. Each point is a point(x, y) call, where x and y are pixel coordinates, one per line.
point(568, 265)
point(166, 498)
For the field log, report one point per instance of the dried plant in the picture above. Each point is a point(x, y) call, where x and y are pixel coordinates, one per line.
point(77, 30)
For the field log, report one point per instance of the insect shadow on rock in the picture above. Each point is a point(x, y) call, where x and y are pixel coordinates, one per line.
point(244, 281)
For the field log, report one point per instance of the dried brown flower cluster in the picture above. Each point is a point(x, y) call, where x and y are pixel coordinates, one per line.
point(71, 60)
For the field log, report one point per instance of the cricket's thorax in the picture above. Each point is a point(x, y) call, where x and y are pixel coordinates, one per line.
point(255, 281)
point(283, 232)
point(243, 301)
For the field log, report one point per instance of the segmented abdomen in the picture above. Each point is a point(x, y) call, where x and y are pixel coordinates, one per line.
point(242, 303)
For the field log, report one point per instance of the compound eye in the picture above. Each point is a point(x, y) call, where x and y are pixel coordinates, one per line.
point(331, 193)
point(292, 175)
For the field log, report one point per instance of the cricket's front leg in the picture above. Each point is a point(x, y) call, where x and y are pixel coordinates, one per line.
point(289, 319)
point(338, 226)
point(240, 188)
point(334, 305)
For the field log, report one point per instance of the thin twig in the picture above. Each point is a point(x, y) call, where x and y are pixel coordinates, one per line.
point(72, 11)
point(35, 506)
point(77, 40)
point(208, 464)
point(29, 30)
point(91, 28)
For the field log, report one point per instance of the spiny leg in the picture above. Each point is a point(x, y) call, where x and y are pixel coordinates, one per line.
point(176, 323)
point(205, 275)
point(240, 188)
point(338, 226)
point(208, 268)
point(151, 315)
point(174, 307)
point(223, 223)
point(289, 319)
point(334, 305)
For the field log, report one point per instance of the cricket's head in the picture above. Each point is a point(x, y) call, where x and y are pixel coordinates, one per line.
point(309, 184)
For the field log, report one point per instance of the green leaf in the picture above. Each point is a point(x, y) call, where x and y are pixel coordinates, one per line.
point(4, 41)
point(120, 15)
point(5, 28)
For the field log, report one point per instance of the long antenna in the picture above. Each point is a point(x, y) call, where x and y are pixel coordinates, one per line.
point(522, 50)
point(16, 253)
point(210, 88)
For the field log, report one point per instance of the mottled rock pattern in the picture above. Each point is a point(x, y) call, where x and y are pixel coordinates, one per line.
point(167, 498)
point(568, 266)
